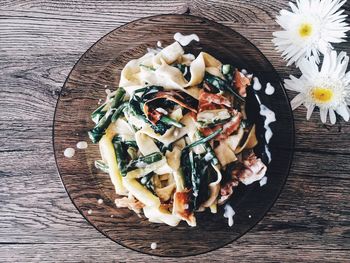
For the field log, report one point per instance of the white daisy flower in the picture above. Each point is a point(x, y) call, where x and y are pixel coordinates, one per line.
point(309, 29)
point(327, 88)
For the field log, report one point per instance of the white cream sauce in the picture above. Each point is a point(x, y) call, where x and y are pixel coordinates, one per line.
point(257, 84)
point(82, 145)
point(161, 110)
point(89, 212)
point(229, 214)
point(263, 181)
point(154, 245)
point(269, 118)
point(69, 152)
point(268, 153)
point(184, 40)
point(269, 90)
point(100, 201)
point(208, 156)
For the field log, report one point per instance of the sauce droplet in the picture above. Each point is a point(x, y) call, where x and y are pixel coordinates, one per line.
point(69, 152)
point(153, 245)
point(100, 201)
point(89, 212)
point(269, 89)
point(229, 214)
point(270, 117)
point(263, 181)
point(82, 145)
point(184, 40)
point(256, 85)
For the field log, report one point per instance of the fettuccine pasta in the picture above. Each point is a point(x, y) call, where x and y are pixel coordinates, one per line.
point(174, 137)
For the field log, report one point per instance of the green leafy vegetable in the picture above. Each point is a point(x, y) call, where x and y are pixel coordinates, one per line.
point(99, 113)
point(119, 111)
point(147, 182)
point(121, 158)
point(99, 130)
point(144, 160)
point(135, 105)
point(203, 140)
point(210, 155)
point(147, 67)
point(221, 85)
point(228, 71)
point(99, 164)
point(195, 177)
point(169, 121)
point(128, 143)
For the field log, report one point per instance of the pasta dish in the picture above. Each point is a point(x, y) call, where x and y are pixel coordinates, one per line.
point(174, 137)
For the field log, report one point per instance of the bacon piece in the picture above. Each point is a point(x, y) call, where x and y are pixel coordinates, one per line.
point(241, 83)
point(181, 206)
point(228, 128)
point(211, 101)
point(255, 170)
point(153, 115)
point(181, 98)
point(227, 190)
point(209, 87)
point(131, 203)
point(252, 169)
point(231, 126)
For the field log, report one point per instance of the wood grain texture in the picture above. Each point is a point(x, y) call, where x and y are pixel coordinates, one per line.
point(99, 68)
point(39, 43)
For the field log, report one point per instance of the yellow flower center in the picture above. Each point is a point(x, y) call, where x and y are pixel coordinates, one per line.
point(322, 95)
point(305, 30)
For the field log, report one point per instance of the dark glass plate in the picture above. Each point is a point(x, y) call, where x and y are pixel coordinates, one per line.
point(99, 68)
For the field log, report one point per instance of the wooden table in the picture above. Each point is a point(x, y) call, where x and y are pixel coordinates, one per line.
point(39, 43)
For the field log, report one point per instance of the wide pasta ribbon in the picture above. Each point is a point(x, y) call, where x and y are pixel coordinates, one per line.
point(156, 69)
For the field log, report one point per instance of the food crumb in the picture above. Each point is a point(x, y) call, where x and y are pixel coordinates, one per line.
point(153, 245)
point(100, 201)
point(112, 215)
point(250, 216)
point(89, 211)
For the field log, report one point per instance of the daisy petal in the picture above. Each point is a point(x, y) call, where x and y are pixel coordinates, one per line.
point(323, 114)
point(297, 101)
point(332, 116)
point(310, 109)
point(343, 111)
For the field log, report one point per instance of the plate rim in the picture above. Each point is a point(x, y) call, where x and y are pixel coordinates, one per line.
point(292, 143)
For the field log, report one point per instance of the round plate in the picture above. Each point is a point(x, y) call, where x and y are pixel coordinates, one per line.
point(99, 68)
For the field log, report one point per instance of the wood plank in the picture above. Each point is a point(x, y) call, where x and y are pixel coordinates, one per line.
point(311, 211)
point(41, 41)
point(109, 252)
